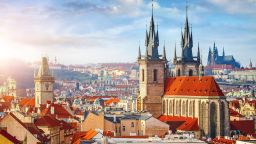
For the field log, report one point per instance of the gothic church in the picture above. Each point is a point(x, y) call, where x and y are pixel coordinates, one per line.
point(190, 97)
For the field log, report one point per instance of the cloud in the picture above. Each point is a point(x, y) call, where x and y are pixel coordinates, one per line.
point(236, 6)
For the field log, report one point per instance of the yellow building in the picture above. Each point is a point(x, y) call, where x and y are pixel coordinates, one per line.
point(6, 138)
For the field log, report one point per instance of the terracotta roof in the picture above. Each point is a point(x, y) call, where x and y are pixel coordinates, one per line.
point(27, 102)
point(245, 126)
point(131, 137)
point(8, 98)
point(234, 113)
point(47, 121)
point(223, 141)
point(108, 133)
point(181, 123)
point(189, 125)
point(9, 137)
point(86, 135)
point(192, 86)
point(59, 111)
point(113, 100)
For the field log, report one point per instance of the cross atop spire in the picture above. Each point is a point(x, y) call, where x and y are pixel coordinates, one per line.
point(152, 8)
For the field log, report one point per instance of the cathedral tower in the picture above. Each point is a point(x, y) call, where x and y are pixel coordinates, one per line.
point(187, 64)
point(43, 84)
point(153, 70)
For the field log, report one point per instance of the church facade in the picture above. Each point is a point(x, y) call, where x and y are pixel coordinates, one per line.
point(188, 95)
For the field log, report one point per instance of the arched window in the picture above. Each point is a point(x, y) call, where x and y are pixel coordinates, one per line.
point(143, 75)
point(132, 124)
point(155, 74)
point(178, 72)
point(170, 107)
point(190, 72)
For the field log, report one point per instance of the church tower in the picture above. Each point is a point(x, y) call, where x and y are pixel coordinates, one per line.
point(187, 64)
point(43, 84)
point(153, 70)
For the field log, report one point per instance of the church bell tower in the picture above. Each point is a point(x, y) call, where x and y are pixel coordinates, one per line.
point(43, 84)
point(153, 70)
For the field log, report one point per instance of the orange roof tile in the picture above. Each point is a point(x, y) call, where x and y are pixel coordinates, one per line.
point(113, 100)
point(234, 113)
point(27, 102)
point(192, 86)
point(47, 121)
point(8, 98)
point(181, 123)
point(189, 125)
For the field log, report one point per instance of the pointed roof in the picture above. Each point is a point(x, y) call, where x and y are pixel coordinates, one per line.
point(164, 52)
point(139, 55)
point(44, 68)
point(175, 54)
point(192, 86)
point(198, 52)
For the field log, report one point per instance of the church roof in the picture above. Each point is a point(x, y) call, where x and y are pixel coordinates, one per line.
point(187, 123)
point(192, 86)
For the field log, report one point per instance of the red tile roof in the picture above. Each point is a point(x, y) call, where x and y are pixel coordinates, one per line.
point(234, 113)
point(245, 126)
point(189, 125)
point(27, 102)
point(181, 123)
point(9, 137)
point(223, 141)
point(192, 86)
point(111, 101)
point(59, 111)
point(47, 121)
point(8, 98)
point(88, 135)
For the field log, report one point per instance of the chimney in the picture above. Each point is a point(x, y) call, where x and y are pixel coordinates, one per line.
point(52, 110)
point(114, 118)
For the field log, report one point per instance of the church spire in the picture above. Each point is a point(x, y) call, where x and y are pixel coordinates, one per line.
point(146, 37)
point(164, 52)
point(153, 39)
point(175, 55)
point(250, 65)
point(139, 54)
point(198, 53)
point(223, 52)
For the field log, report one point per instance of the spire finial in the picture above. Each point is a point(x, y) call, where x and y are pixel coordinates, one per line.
point(152, 8)
point(139, 55)
point(175, 55)
point(186, 8)
point(164, 52)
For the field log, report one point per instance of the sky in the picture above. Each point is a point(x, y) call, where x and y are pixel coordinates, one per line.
point(96, 31)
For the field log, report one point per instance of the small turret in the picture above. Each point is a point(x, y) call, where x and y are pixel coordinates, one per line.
point(250, 65)
point(164, 52)
point(175, 55)
point(201, 69)
point(139, 54)
point(198, 53)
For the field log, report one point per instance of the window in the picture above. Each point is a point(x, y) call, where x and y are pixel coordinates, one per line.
point(132, 124)
point(123, 128)
point(143, 75)
point(190, 73)
point(178, 72)
point(155, 74)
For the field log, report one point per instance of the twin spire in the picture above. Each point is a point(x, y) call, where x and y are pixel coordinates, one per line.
point(152, 41)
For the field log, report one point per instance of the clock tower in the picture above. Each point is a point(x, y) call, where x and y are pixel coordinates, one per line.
point(43, 84)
